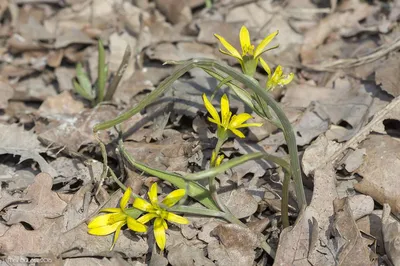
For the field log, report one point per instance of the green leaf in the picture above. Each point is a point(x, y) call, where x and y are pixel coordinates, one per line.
point(102, 71)
point(83, 79)
point(81, 91)
point(133, 212)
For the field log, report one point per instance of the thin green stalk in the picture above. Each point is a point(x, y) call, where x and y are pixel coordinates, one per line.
point(285, 200)
point(211, 180)
point(101, 73)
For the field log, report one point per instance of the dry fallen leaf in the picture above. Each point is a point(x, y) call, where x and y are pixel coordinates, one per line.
point(380, 178)
point(235, 245)
point(17, 141)
point(44, 204)
point(391, 236)
point(387, 75)
point(171, 153)
point(351, 248)
point(73, 131)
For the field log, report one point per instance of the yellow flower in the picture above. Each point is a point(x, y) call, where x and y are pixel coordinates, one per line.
point(277, 79)
point(227, 121)
point(250, 56)
point(156, 211)
point(113, 221)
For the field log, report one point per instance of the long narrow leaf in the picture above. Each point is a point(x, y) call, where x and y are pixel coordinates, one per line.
point(101, 73)
point(82, 92)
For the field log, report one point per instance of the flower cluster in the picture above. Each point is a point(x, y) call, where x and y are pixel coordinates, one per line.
point(250, 57)
point(118, 217)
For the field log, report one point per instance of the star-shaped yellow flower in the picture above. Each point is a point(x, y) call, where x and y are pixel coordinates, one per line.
point(276, 79)
point(113, 221)
point(227, 121)
point(250, 56)
point(159, 213)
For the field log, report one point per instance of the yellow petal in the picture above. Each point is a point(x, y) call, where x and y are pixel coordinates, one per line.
point(244, 37)
point(237, 133)
point(219, 160)
point(213, 121)
point(278, 73)
point(116, 235)
point(211, 109)
point(172, 198)
point(265, 42)
point(231, 50)
point(239, 119)
point(125, 198)
point(153, 194)
point(142, 205)
point(250, 125)
point(159, 233)
point(265, 66)
point(105, 230)
point(147, 217)
point(225, 111)
point(172, 217)
point(135, 225)
point(286, 80)
point(106, 219)
point(112, 210)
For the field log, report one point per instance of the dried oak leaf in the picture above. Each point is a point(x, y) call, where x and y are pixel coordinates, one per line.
point(17, 141)
point(171, 153)
point(77, 130)
point(44, 204)
point(351, 249)
point(6, 92)
point(380, 173)
point(391, 235)
point(387, 75)
point(236, 245)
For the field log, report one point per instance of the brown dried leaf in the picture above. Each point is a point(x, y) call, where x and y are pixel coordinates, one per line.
point(62, 103)
point(391, 235)
point(330, 25)
point(6, 92)
point(387, 75)
point(235, 246)
point(171, 153)
point(44, 204)
point(380, 179)
point(76, 130)
point(351, 248)
point(182, 51)
point(15, 140)
point(176, 11)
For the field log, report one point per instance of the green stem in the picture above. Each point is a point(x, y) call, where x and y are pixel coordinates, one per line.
point(101, 73)
point(211, 180)
point(285, 200)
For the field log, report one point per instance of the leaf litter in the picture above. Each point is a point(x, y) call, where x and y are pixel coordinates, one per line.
point(342, 105)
